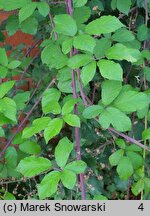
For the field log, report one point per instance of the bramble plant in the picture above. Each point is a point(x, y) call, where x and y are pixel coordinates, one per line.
point(86, 134)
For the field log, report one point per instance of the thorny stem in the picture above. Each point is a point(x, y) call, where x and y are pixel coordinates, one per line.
point(25, 119)
point(77, 137)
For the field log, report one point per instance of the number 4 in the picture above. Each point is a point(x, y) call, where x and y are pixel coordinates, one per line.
point(141, 207)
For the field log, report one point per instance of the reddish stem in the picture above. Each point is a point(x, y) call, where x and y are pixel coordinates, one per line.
point(77, 137)
point(129, 139)
point(54, 3)
point(33, 93)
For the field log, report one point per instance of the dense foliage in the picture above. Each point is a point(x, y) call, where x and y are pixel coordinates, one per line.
point(82, 129)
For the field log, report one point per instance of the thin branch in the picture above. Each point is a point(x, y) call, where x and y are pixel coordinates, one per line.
point(53, 27)
point(33, 46)
point(83, 96)
point(123, 15)
point(23, 73)
point(129, 139)
point(81, 88)
point(54, 3)
point(93, 93)
point(24, 120)
point(33, 93)
point(146, 12)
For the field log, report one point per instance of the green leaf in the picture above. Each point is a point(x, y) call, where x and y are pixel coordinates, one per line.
point(101, 46)
point(66, 86)
point(81, 14)
point(110, 90)
point(135, 44)
point(115, 157)
point(32, 166)
point(92, 111)
point(11, 156)
point(15, 4)
point(12, 25)
point(62, 151)
point(147, 184)
point(65, 24)
point(124, 168)
point(118, 119)
point(53, 57)
point(37, 126)
point(53, 128)
point(123, 35)
point(79, 3)
point(43, 8)
point(121, 52)
point(146, 54)
point(3, 57)
point(68, 179)
point(1, 166)
point(79, 60)
point(110, 70)
point(27, 11)
point(147, 73)
point(3, 119)
point(3, 71)
point(67, 45)
point(21, 99)
point(49, 184)
point(99, 197)
point(30, 26)
point(124, 6)
point(18, 139)
point(2, 37)
point(121, 143)
point(2, 133)
point(50, 101)
point(84, 42)
point(146, 134)
point(98, 26)
point(30, 147)
point(138, 187)
point(8, 108)
point(136, 159)
point(88, 72)
point(128, 101)
point(50, 95)
point(72, 120)
point(5, 87)
point(77, 167)
point(14, 64)
point(9, 196)
point(11, 172)
point(143, 33)
point(68, 106)
point(3, 172)
point(133, 147)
